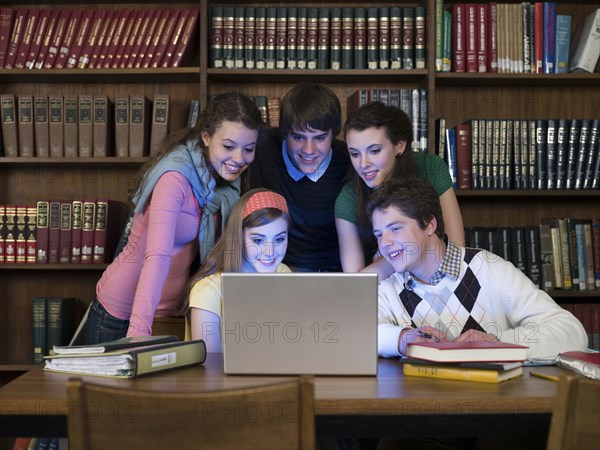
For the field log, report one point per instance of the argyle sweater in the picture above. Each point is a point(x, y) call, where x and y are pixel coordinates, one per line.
point(489, 294)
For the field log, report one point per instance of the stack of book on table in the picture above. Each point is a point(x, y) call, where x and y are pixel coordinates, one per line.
point(126, 358)
point(487, 362)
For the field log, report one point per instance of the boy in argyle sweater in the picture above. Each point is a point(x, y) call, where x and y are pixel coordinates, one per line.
point(452, 292)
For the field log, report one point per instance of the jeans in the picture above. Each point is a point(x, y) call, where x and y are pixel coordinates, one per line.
point(103, 327)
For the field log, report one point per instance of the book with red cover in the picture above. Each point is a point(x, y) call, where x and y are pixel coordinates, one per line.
point(106, 230)
point(463, 155)
point(147, 20)
point(458, 37)
point(37, 38)
point(60, 29)
point(64, 249)
point(169, 52)
point(29, 30)
point(583, 363)
point(15, 37)
point(89, 47)
point(7, 16)
point(132, 18)
point(492, 43)
point(126, 52)
point(80, 37)
point(187, 43)
point(154, 39)
point(60, 62)
point(165, 38)
point(41, 232)
point(471, 37)
point(483, 351)
point(482, 36)
point(46, 38)
point(113, 36)
point(99, 53)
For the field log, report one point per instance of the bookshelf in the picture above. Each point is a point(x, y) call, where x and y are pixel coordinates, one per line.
point(455, 96)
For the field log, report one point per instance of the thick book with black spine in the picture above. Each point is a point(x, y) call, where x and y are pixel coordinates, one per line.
point(76, 223)
point(573, 251)
point(127, 343)
point(480, 351)
point(541, 145)
point(38, 329)
point(85, 126)
point(485, 373)
point(249, 59)
point(360, 38)
point(56, 125)
point(531, 155)
point(519, 249)
point(551, 153)
point(130, 363)
point(216, 37)
point(139, 125)
point(106, 230)
point(312, 38)
point(546, 259)
point(583, 363)
point(302, 38)
point(593, 155)
point(10, 136)
point(71, 127)
point(572, 148)
point(582, 153)
point(281, 38)
point(122, 126)
point(238, 37)
point(347, 38)
point(40, 125)
point(60, 320)
point(159, 126)
point(323, 40)
point(532, 240)
point(42, 232)
point(335, 41)
point(562, 135)
point(65, 241)
point(25, 125)
point(100, 124)
point(228, 36)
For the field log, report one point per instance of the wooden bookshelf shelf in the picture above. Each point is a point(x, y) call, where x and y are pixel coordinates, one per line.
point(108, 161)
point(517, 79)
point(57, 267)
point(162, 76)
point(547, 194)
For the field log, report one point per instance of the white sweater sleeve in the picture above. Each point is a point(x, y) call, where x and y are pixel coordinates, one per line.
point(390, 319)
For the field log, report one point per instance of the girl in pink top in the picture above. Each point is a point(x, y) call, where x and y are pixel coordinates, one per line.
point(192, 181)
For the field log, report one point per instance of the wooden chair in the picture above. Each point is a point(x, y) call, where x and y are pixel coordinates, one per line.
point(276, 416)
point(576, 416)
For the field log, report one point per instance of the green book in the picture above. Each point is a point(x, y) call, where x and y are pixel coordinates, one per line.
point(39, 342)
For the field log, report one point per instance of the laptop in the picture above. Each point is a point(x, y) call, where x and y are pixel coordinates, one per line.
point(300, 323)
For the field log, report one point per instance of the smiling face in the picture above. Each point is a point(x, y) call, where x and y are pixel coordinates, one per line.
point(265, 246)
point(308, 149)
point(405, 245)
point(230, 149)
point(373, 155)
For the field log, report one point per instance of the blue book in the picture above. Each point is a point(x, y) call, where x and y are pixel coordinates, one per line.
point(549, 38)
point(451, 155)
point(563, 40)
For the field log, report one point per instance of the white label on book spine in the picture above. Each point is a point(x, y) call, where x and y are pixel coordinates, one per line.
point(164, 359)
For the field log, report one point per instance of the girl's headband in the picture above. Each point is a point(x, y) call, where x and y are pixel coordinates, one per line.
point(266, 199)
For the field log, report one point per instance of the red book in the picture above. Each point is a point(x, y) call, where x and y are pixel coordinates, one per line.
point(481, 351)
point(41, 232)
point(10, 227)
point(7, 17)
point(80, 37)
point(165, 38)
point(583, 363)
point(64, 252)
point(113, 38)
point(89, 44)
point(106, 230)
point(30, 234)
point(148, 36)
point(87, 231)
point(56, 40)
point(463, 155)
point(471, 37)
point(104, 40)
point(28, 34)
point(2, 232)
point(169, 52)
point(538, 43)
point(53, 231)
point(492, 52)
point(482, 36)
point(47, 38)
point(93, 52)
point(76, 222)
point(458, 38)
point(15, 37)
point(146, 17)
point(133, 20)
point(155, 39)
point(187, 43)
point(38, 38)
point(60, 62)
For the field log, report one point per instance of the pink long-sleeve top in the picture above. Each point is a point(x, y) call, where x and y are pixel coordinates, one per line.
point(151, 272)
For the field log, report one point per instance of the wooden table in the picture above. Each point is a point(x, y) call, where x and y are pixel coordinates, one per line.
point(388, 404)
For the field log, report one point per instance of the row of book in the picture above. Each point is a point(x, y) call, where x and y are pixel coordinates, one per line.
point(589, 315)
point(317, 37)
point(69, 232)
point(412, 101)
point(560, 253)
point(40, 443)
point(53, 323)
point(513, 38)
point(82, 125)
point(44, 38)
point(522, 154)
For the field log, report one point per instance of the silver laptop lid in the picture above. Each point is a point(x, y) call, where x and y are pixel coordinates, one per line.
point(300, 323)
